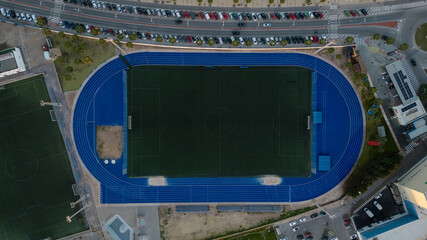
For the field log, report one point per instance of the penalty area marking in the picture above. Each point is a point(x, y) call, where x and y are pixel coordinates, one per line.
point(157, 181)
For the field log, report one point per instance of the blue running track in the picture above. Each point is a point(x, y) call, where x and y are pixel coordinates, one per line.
point(102, 101)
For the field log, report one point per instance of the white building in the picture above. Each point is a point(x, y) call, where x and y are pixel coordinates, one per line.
point(413, 185)
point(11, 62)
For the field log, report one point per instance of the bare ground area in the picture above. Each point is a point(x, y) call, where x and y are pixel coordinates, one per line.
point(188, 226)
point(109, 141)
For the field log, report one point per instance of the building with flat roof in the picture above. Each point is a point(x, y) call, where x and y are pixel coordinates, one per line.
point(403, 79)
point(413, 185)
point(11, 62)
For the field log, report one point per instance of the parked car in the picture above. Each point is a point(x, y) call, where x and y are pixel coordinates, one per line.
point(353, 236)
point(314, 215)
point(241, 24)
point(293, 223)
point(413, 62)
point(303, 219)
point(266, 24)
point(296, 228)
point(378, 205)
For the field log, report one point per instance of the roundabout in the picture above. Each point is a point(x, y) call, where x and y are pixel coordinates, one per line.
point(339, 136)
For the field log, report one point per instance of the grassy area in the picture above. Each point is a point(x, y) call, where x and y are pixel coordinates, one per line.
point(266, 233)
point(78, 48)
point(421, 37)
point(36, 176)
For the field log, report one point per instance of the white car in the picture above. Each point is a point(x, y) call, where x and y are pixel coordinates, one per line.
point(266, 24)
point(334, 238)
point(220, 40)
point(29, 17)
point(221, 16)
point(61, 23)
point(353, 236)
point(293, 223)
point(241, 41)
point(311, 15)
point(254, 41)
point(3, 12)
point(378, 196)
point(94, 4)
point(207, 16)
point(34, 17)
point(378, 205)
point(254, 17)
point(303, 219)
point(177, 13)
point(23, 17)
point(87, 28)
point(295, 228)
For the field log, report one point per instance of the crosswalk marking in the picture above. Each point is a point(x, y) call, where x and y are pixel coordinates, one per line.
point(333, 26)
point(410, 148)
point(57, 10)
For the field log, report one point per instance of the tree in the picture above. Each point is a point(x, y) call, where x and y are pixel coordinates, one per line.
point(159, 39)
point(75, 37)
point(82, 47)
point(76, 49)
point(322, 1)
point(331, 50)
point(376, 36)
point(308, 42)
point(199, 1)
point(271, 1)
point(389, 41)
point(102, 41)
point(338, 56)
point(79, 29)
point(210, 1)
point(78, 61)
point(94, 32)
point(248, 1)
point(120, 36)
point(308, 2)
point(67, 44)
point(248, 43)
point(88, 59)
point(129, 44)
point(61, 34)
point(199, 42)
point(41, 22)
point(322, 41)
point(210, 42)
point(235, 43)
point(349, 39)
point(283, 43)
point(117, 42)
point(132, 36)
point(69, 69)
point(282, 1)
point(235, 1)
point(172, 40)
point(403, 47)
point(59, 59)
point(348, 65)
point(68, 77)
point(46, 31)
point(272, 43)
point(422, 92)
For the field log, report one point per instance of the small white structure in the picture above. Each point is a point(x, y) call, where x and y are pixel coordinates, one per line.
point(118, 228)
point(106, 161)
point(11, 62)
point(409, 113)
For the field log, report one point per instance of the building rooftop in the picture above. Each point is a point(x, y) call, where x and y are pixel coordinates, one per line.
point(400, 80)
point(409, 113)
point(7, 62)
point(416, 177)
point(118, 228)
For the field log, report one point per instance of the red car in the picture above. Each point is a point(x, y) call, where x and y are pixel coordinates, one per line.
point(307, 234)
point(91, 27)
point(320, 14)
point(202, 15)
point(225, 16)
point(216, 15)
point(352, 13)
point(292, 15)
point(272, 16)
point(347, 222)
point(189, 39)
point(147, 35)
point(187, 15)
point(315, 39)
point(111, 32)
point(211, 15)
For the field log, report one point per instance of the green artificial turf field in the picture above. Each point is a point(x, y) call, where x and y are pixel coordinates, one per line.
point(35, 173)
point(220, 121)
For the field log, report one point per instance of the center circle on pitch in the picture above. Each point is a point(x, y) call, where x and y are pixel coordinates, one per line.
point(220, 122)
point(21, 165)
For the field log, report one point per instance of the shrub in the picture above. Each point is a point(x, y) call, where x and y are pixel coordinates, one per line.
point(132, 36)
point(129, 44)
point(79, 29)
point(322, 41)
point(211, 42)
point(75, 37)
point(120, 36)
point(69, 69)
point(68, 77)
point(102, 41)
point(61, 34)
point(159, 39)
point(331, 50)
point(94, 32)
point(272, 43)
point(199, 42)
point(338, 56)
point(235, 43)
point(41, 22)
point(172, 40)
point(117, 42)
point(308, 42)
point(78, 61)
point(59, 59)
point(46, 31)
point(67, 44)
point(283, 43)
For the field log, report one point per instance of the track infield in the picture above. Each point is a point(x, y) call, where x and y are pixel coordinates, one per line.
point(36, 178)
point(219, 121)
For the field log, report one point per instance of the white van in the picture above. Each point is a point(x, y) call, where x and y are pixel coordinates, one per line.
point(378, 205)
point(368, 212)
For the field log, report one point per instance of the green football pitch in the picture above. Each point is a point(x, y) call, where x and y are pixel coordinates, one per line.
point(36, 177)
point(218, 122)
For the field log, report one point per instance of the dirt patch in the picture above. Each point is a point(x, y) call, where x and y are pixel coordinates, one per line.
point(109, 141)
point(186, 226)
